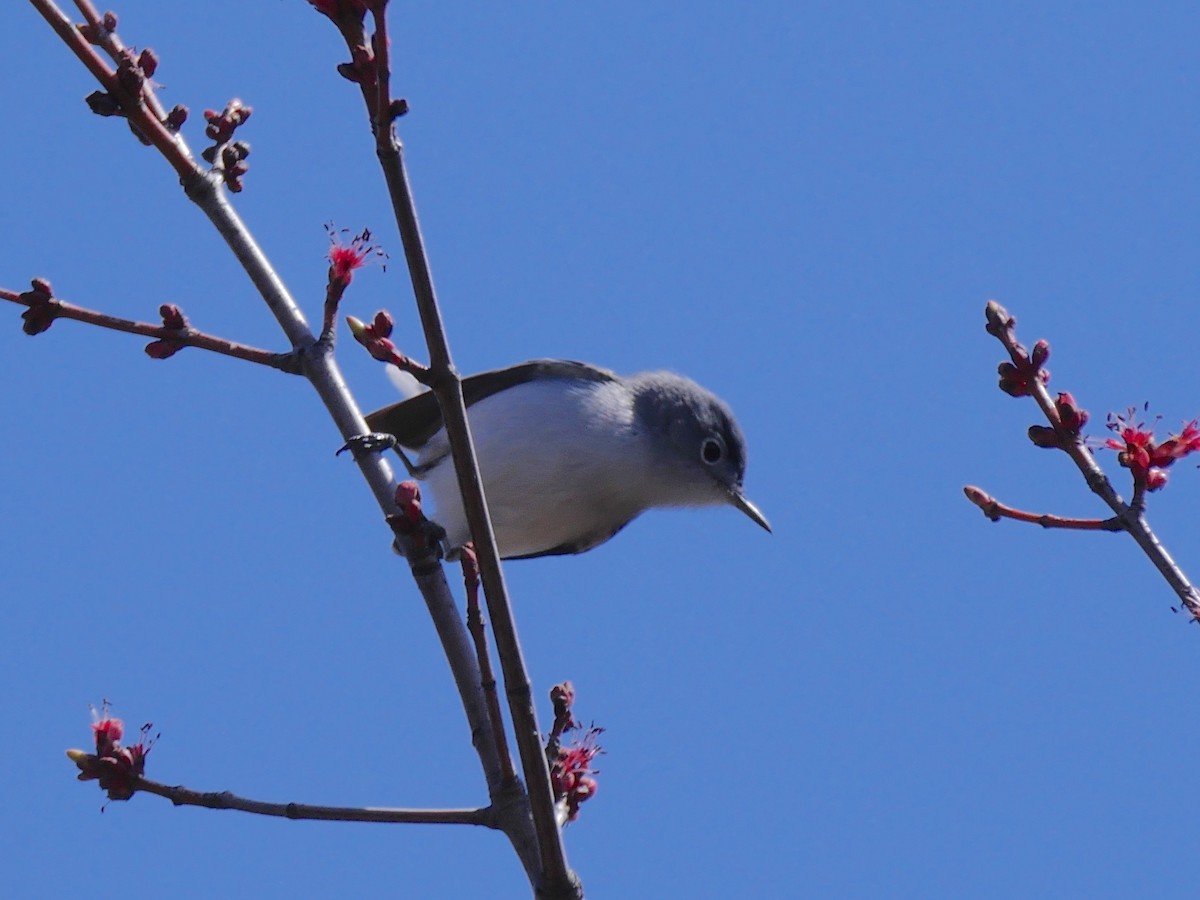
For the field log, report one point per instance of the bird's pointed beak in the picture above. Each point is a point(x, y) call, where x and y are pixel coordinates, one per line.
point(738, 500)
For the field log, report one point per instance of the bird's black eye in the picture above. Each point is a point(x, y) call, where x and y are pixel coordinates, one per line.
point(711, 451)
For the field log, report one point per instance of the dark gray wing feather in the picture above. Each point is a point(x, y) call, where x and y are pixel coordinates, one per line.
point(415, 420)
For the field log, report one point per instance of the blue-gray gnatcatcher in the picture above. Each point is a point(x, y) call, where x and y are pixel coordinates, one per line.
point(570, 453)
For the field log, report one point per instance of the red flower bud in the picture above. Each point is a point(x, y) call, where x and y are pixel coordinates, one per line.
point(383, 324)
point(1045, 437)
point(1072, 416)
point(172, 316)
point(998, 319)
point(148, 62)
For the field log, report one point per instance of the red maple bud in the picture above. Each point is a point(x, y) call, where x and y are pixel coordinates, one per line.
point(1072, 416)
point(1017, 381)
point(1044, 436)
point(350, 72)
point(129, 74)
point(174, 320)
point(176, 117)
point(562, 694)
point(998, 319)
point(172, 316)
point(148, 62)
point(1041, 353)
point(383, 323)
point(163, 349)
point(380, 348)
point(563, 697)
point(110, 21)
point(222, 125)
point(42, 309)
point(1155, 479)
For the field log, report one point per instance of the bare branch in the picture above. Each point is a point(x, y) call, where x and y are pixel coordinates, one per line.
point(182, 796)
point(46, 308)
point(1027, 377)
point(475, 625)
point(996, 510)
point(134, 95)
point(552, 875)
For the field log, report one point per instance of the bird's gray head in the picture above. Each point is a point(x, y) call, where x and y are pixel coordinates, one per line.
point(700, 454)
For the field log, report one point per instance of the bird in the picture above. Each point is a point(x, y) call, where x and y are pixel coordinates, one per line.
point(570, 453)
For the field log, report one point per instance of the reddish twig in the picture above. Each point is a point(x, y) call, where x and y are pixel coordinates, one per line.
point(44, 308)
point(1025, 375)
point(376, 339)
point(130, 92)
point(551, 874)
point(996, 510)
point(475, 625)
point(120, 772)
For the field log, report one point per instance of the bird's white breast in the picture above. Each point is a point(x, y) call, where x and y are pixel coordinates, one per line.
point(557, 458)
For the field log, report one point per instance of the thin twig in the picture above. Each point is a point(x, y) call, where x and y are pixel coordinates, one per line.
point(475, 625)
point(1132, 516)
point(134, 107)
point(556, 878)
point(318, 366)
point(995, 510)
point(60, 309)
point(182, 796)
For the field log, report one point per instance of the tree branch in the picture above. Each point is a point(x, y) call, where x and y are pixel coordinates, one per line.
point(47, 308)
point(995, 510)
point(1132, 517)
point(135, 98)
point(550, 872)
point(183, 796)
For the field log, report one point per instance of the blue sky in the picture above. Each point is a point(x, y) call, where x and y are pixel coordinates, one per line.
point(802, 206)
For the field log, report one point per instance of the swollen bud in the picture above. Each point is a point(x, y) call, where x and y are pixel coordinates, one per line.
point(998, 319)
point(383, 324)
point(148, 62)
point(1045, 437)
point(1072, 416)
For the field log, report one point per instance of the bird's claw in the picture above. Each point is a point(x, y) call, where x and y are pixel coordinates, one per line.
point(375, 442)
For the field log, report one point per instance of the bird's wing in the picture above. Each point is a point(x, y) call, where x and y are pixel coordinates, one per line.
point(415, 420)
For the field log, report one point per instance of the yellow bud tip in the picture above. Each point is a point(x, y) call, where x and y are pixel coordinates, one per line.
point(357, 327)
point(78, 756)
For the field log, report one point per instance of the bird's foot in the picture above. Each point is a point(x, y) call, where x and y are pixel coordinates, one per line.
point(381, 442)
point(375, 442)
